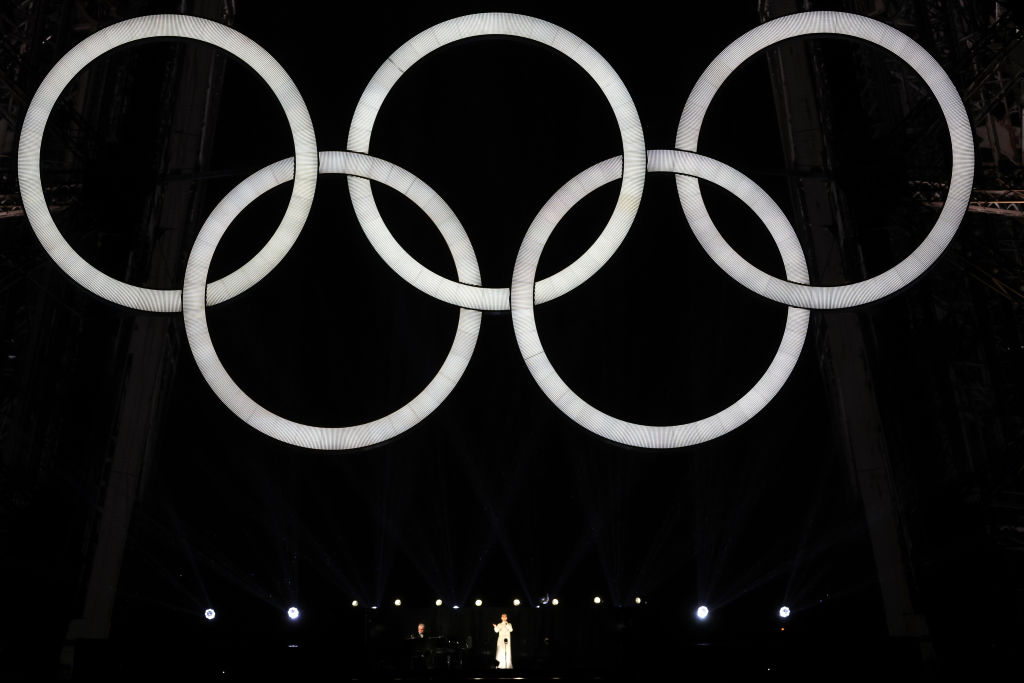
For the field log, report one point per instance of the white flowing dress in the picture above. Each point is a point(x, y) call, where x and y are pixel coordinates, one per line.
point(503, 651)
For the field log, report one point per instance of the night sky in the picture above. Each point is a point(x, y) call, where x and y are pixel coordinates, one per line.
point(497, 494)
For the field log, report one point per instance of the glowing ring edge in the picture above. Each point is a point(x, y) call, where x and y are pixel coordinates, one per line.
point(261, 419)
point(961, 141)
point(622, 431)
point(117, 35)
point(557, 38)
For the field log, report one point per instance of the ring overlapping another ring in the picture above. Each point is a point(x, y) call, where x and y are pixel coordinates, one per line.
point(612, 428)
point(960, 136)
point(282, 429)
point(468, 293)
point(633, 171)
point(165, 26)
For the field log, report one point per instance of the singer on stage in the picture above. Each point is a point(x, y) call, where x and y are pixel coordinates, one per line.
point(503, 651)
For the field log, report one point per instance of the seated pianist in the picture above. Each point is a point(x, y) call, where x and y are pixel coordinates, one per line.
point(422, 652)
point(429, 652)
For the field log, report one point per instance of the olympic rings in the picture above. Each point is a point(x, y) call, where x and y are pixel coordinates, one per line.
point(961, 137)
point(165, 26)
point(467, 293)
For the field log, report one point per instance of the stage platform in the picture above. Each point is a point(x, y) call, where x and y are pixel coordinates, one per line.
point(805, 659)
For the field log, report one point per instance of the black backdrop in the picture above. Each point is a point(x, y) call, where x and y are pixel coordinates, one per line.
point(497, 495)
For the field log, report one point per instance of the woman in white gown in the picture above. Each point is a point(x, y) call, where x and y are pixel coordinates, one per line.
point(503, 651)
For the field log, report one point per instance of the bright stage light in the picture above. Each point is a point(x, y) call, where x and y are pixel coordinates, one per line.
point(478, 602)
point(355, 603)
point(637, 600)
point(293, 613)
point(597, 599)
point(554, 601)
point(398, 602)
point(455, 607)
point(516, 602)
point(438, 602)
point(210, 614)
point(702, 612)
point(783, 611)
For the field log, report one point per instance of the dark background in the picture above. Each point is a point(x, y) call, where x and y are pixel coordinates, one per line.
point(498, 495)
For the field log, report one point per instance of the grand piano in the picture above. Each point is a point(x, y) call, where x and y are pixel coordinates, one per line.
point(434, 652)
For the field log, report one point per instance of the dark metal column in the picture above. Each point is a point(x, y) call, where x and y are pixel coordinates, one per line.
point(839, 337)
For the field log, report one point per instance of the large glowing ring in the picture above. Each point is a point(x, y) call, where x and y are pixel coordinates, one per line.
point(612, 428)
point(633, 167)
point(307, 436)
point(960, 136)
point(165, 26)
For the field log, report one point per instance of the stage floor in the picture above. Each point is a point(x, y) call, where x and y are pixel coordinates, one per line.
point(898, 659)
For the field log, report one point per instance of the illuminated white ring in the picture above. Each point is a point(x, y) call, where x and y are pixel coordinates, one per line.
point(165, 26)
point(960, 136)
point(612, 428)
point(633, 172)
point(261, 419)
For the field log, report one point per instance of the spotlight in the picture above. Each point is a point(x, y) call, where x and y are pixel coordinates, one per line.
point(554, 601)
point(398, 602)
point(478, 602)
point(293, 613)
point(438, 602)
point(516, 602)
point(702, 612)
point(597, 599)
point(783, 611)
point(210, 614)
point(637, 600)
point(455, 607)
point(355, 603)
